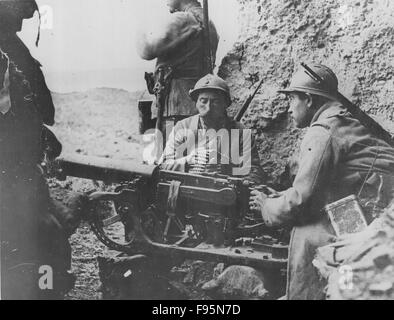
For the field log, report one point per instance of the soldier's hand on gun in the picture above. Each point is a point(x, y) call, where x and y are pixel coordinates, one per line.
point(256, 203)
point(257, 199)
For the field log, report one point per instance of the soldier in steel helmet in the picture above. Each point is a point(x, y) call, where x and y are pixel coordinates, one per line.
point(339, 157)
point(207, 142)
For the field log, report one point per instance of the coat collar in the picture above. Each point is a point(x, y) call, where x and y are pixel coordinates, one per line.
point(328, 110)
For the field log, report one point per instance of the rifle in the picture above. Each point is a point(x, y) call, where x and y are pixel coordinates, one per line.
point(247, 103)
point(360, 115)
point(161, 90)
point(207, 39)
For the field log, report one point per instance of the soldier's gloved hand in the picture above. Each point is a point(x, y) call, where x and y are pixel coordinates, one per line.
point(256, 203)
point(257, 199)
point(72, 214)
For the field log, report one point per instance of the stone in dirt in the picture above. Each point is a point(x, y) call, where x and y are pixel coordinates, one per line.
point(238, 282)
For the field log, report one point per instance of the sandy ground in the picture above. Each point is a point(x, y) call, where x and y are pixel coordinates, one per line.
point(86, 248)
point(103, 123)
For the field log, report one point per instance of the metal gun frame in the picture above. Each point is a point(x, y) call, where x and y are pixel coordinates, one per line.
point(259, 253)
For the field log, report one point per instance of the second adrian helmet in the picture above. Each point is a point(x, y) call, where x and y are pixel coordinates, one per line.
point(210, 82)
point(303, 81)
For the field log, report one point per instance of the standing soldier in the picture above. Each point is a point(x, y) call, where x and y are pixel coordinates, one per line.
point(181, 47)
point(339, 157)
point(34, 229)
point(211, 141)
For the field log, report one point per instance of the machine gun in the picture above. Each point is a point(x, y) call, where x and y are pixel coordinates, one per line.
point(177, 215)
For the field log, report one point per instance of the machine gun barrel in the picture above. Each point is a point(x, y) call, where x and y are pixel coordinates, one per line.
point(103, 169)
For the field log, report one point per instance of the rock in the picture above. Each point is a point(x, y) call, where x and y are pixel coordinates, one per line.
point(238, 282)
point(179, 273)
point(381, 288)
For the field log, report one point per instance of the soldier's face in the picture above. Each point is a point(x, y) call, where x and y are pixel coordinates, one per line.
point(300, 109)
point(211, 105)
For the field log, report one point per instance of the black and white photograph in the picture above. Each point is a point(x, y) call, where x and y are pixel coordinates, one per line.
point(200, 151)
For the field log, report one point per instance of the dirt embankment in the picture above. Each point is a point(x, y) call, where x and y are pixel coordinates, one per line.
point(353, 37)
